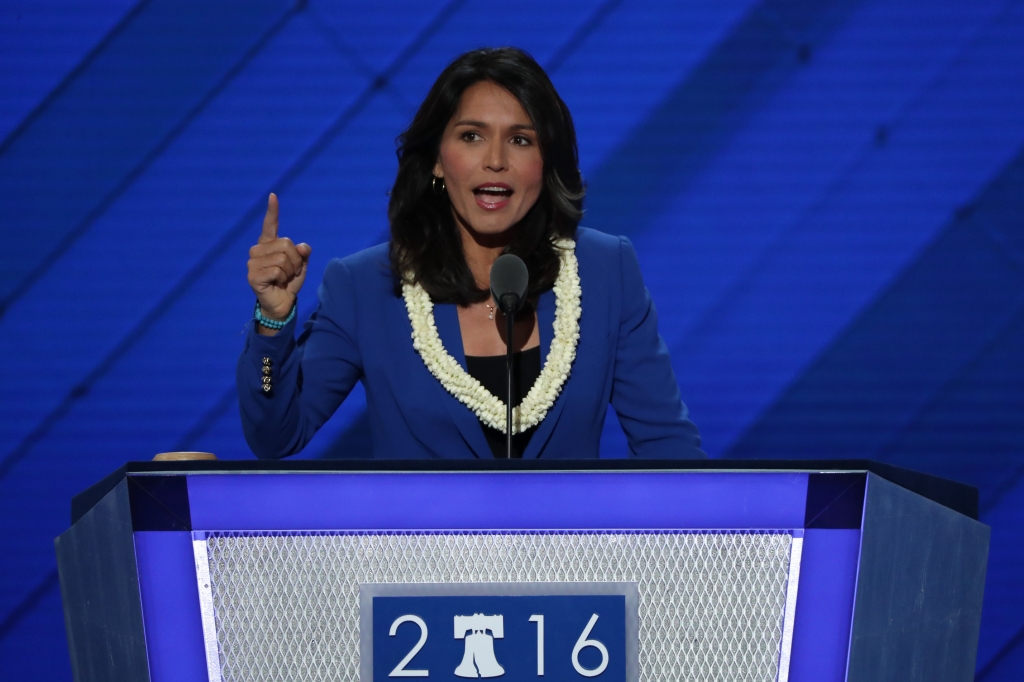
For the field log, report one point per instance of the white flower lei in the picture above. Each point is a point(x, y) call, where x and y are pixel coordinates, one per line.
point(470, 392)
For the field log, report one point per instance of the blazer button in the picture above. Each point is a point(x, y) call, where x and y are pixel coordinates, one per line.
point(267, 364)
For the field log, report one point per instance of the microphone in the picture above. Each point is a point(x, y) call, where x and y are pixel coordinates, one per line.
point(509, 281)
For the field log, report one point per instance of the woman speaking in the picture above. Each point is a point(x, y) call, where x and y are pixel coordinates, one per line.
point(488, 166)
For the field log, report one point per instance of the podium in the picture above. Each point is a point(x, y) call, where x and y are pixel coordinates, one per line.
point(724, 570)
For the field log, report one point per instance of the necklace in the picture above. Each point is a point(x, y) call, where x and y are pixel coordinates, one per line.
point(485, 405)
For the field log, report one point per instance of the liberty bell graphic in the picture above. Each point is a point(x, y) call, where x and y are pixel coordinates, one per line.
point(479, 659)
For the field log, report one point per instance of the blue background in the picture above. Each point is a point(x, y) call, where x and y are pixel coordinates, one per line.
point(826, 196)
point(565, 618)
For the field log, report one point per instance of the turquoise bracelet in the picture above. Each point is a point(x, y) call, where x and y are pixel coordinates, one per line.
point(273, 324)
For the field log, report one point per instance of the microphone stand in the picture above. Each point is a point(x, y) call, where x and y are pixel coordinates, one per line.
point(510, 281)
point(508, 302)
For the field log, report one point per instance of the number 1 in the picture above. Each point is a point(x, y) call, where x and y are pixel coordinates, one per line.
point(539, 620)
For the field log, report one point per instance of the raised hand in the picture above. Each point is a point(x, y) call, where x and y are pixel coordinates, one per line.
point(277, 267)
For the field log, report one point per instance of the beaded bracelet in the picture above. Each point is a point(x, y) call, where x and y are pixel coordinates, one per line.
point(273, 324)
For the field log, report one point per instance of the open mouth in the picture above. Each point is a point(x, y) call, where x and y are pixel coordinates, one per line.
point(492, 196)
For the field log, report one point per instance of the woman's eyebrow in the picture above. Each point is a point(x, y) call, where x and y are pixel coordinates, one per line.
point(481, 124)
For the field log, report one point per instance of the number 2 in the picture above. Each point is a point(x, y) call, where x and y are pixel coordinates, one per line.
point(400, 670)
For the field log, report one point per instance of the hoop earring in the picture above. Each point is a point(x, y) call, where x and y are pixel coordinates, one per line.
point(433, 185)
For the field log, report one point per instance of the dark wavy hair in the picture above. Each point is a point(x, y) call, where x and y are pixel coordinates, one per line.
point(425, 243)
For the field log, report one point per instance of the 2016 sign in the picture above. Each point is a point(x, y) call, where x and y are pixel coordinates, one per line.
point(521, 631)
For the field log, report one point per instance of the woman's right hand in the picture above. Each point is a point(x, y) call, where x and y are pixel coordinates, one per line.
point(277, 268)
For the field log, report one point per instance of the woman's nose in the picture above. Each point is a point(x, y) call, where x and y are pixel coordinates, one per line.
point(497, 156)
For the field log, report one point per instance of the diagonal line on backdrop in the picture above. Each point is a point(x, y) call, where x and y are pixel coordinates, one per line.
point(743, 281)
point(340, 46)
point(1001, 246)
point(229, 397)
point(662, 156)
point(1001, 491)
point(224, 403)
point(132, 175)
point(580, 35)
point(1015, 641)
point(206, 261)
point(73, 74)
point(26, 605)
point(999, 243)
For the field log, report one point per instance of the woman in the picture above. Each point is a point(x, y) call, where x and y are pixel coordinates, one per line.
point(488, 166)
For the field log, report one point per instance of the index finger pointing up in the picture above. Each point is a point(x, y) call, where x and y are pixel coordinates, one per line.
point(269, 233)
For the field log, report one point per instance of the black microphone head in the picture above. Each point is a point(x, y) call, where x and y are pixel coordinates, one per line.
point(509, 281)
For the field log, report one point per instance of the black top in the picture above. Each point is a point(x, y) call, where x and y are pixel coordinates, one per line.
point(490, 371)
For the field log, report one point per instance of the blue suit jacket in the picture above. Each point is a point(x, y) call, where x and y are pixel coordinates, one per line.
point(361, 331)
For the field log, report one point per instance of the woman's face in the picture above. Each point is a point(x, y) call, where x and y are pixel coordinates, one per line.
point(490, 160)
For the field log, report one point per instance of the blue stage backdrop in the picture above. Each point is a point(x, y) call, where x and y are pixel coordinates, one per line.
point(826, 196)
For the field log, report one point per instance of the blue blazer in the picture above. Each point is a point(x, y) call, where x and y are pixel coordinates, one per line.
point(361, 332)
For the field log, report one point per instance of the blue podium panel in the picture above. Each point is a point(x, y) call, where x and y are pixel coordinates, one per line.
point(606, 500)
point(272, 573)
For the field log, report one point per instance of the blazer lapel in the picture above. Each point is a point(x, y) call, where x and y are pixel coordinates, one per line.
point(546, 327)
point(446, 317)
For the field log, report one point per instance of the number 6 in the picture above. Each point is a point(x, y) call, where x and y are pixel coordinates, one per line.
point(581, 644)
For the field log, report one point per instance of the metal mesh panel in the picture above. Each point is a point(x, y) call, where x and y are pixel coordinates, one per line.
point(287, 604)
